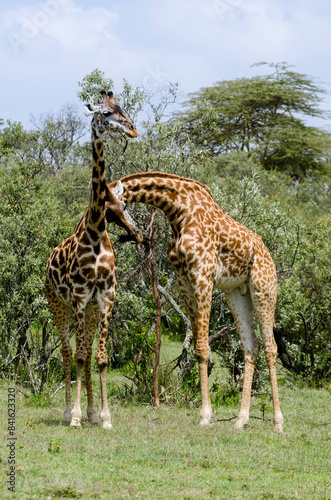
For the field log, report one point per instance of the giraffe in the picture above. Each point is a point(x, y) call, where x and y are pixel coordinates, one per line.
point(209, 249)
point(81, 271)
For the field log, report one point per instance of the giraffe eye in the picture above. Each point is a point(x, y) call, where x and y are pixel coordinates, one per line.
point(107, 113)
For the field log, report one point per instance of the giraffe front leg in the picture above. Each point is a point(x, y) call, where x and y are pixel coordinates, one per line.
point(104, 413)
point(67, 359)
point(197, 298)
point(80, 357)
point(202, 353)
point(91, 323)
point(102, 360)
point(206, 409)
point(76, 412)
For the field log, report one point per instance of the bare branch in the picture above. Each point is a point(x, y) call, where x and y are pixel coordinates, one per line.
point(175, 306)
point(33, 382)
point(61, 387)
point(225, 331)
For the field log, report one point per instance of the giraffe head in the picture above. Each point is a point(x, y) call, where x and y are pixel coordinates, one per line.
point(107, 116)
point(116, 212)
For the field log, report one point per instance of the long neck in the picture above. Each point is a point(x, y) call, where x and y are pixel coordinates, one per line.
point(96, 217)
point(176, 196)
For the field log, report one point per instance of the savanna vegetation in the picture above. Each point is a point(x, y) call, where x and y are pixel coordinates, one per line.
point(250, 140)
point(164, 454)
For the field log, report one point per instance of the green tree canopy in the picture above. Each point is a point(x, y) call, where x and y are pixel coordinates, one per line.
point(264, 116)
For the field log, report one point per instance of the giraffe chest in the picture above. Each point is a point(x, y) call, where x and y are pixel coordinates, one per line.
point(193, 254)
point(83, 276)
point(93, 276)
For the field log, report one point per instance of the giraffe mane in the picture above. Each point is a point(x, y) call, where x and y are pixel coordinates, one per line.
point(164, 175)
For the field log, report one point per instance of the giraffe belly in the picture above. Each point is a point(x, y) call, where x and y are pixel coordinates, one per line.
point(232, 268)
point(225, 280)
point(229, 283)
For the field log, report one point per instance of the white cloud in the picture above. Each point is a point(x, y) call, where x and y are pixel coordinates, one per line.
point(180, 37)
point(194, 41)
point(58, 25)
point(79, 31)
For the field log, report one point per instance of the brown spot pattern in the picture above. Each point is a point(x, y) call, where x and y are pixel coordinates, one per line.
point(208, 248)
point(82, 277)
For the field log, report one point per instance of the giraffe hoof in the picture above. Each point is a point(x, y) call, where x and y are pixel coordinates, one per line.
point(278, 428)
point(205, 418)
point(67, 416)
point(93, 417)
point(241, 423)
point(75, 422)
point(106, 425)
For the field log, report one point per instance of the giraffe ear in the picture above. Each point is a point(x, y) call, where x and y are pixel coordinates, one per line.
point(118, 190)
point(89, 108)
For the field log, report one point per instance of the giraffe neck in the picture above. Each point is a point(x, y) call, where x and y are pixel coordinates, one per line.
point(176, 196)
point(96, 219)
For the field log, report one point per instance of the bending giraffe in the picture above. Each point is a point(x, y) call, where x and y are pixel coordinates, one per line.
point(81, 271)
point(209, 249)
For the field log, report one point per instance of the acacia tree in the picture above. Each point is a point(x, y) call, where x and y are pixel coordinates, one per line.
point(263, 116)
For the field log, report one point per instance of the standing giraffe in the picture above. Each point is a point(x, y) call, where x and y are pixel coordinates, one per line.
point(209, 249)
point(81, 271)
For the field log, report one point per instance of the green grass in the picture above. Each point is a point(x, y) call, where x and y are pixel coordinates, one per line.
point(164, 454)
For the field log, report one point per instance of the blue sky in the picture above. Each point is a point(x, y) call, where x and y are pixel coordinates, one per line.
point(47, 46)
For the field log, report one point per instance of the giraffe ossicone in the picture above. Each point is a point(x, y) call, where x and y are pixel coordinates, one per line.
point(82, 275)
point(118, 190)
point(209, 249)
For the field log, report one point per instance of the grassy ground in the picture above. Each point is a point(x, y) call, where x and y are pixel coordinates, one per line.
point(164, 454)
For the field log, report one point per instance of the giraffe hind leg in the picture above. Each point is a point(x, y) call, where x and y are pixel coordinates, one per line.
point(270, 349)
point(242, 310)
point(264, 302)
point(265, 317)
point(61, 314)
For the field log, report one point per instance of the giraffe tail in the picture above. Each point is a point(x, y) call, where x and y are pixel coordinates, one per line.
point(283, 354)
